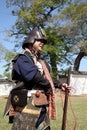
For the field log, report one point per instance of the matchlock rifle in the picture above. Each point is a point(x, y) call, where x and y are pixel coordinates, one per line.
point(66, 102)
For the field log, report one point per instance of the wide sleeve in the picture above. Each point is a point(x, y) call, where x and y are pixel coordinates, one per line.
point(30, 73)
point(25, 68)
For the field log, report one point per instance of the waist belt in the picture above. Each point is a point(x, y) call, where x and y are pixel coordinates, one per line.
point(31, 92)
point(27, 110)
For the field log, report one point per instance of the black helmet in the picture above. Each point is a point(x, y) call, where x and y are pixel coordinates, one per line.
point(34, 35)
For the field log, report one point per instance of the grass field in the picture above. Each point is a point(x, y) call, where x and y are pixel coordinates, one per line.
point(79, 106)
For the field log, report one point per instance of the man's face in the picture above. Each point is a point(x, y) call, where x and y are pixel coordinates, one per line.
point(38, 45)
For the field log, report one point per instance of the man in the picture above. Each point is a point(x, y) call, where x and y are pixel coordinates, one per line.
point(30, 69)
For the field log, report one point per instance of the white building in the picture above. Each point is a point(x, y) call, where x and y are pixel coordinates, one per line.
point(5, 86)
point(79, 83)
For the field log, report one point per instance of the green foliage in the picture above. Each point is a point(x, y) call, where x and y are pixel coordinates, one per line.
point(9, 56)
point(33, 13)
point(76, 23)
point(8, 65)
point(65, 23)
point(1, 76)
point(74, 30)
point(3, 51)
point(7, 74)
point(37, 14)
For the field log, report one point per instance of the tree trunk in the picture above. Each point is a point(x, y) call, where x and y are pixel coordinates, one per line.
point(78, 60)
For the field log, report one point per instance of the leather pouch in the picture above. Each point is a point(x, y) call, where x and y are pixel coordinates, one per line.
point(19, 97)
point(40, 99)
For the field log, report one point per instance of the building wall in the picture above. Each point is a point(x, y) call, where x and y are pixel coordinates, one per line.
point(5, 87)
point(78, 83)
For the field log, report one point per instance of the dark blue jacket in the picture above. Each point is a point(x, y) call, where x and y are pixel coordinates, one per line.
point(25, 70)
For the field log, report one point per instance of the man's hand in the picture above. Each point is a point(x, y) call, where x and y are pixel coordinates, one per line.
point(66, 87)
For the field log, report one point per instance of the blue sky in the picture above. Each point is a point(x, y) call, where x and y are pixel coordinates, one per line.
point(6, 22)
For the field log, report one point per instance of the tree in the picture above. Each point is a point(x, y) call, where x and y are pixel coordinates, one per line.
point(39, 14)
point(3, 51)
point(56, 51)
point(8, 66)
point(75, 29)
point(64, 22)
point(1, 76)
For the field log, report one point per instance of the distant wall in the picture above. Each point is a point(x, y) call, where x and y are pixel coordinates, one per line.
point(79, 83)
point(5, 87)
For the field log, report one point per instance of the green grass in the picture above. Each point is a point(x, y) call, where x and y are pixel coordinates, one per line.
point(4, 125)
point(79, 105)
